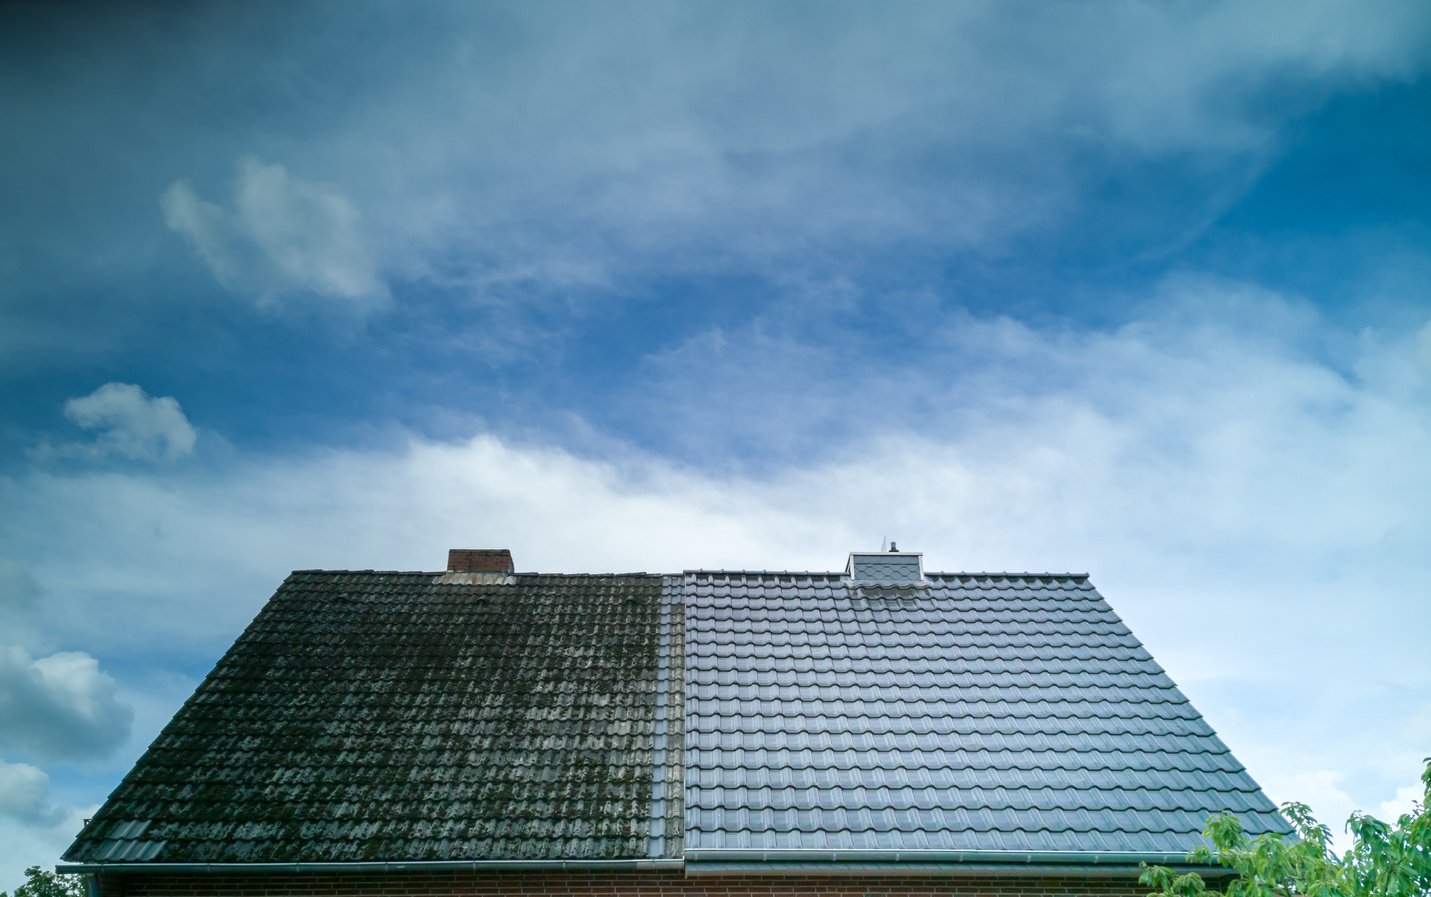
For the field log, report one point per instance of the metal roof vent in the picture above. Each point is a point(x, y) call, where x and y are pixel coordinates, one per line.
point(891, 566)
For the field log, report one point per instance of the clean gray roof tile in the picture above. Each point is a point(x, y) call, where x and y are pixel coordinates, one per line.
point(969, 712)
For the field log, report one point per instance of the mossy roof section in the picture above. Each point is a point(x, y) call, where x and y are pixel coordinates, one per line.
point(384, 716)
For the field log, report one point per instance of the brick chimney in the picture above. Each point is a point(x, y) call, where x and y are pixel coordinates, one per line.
point(474, 566)
point(479, 560)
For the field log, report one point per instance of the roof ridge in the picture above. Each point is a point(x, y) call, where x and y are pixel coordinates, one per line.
point(703, 571)
point(743, 572)
point(1004, 574)
point(430, 573)
point(837, 574)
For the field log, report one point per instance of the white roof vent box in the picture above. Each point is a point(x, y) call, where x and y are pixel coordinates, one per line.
point(893, 566)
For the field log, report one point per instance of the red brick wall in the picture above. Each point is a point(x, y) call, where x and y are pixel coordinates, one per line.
point(600, 884)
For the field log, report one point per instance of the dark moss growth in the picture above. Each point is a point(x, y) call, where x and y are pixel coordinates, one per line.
point(380, 716)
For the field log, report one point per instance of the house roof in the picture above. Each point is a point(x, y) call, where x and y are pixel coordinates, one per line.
point(719, 717)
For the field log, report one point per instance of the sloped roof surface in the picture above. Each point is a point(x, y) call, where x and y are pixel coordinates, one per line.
point(976, 713)
point(417, 716)
point(386, 716)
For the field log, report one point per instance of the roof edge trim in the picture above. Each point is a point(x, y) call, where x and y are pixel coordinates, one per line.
point(372, 866)
point(1000, 857)
point(943, 870)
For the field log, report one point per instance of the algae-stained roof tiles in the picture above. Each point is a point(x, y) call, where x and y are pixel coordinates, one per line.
point(971, 713)
point(385, 716)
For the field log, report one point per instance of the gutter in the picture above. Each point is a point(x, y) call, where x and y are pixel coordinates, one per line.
point(715, 861)
point(935, 870)
point(721, 861)
point(395, 866)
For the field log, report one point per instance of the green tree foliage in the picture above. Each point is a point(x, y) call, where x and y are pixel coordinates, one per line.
point(39, 883)
point(1384, 861)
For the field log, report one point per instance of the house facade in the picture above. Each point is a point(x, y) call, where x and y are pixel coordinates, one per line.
point(880, 730)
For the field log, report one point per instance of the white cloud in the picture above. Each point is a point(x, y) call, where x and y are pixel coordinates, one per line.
point(1320, 789)
point(60, 707)
point(25, 795)
point(130, 424)
point(284, 235)
point(1405, 799)
point(1325, 791)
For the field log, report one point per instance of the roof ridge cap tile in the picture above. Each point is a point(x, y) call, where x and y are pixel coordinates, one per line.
point(1002, 574)
point(331, 572)
point(368, 570)
point(703, 571)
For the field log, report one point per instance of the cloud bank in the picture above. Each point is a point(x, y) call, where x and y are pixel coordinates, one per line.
point(562, 148)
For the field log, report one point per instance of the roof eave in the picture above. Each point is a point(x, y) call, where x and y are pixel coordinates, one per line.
point(372, 866)
point(786, 863)
point(935, 862)
point(940, 870)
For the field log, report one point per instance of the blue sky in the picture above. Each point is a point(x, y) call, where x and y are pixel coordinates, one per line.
point(1138, 290)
